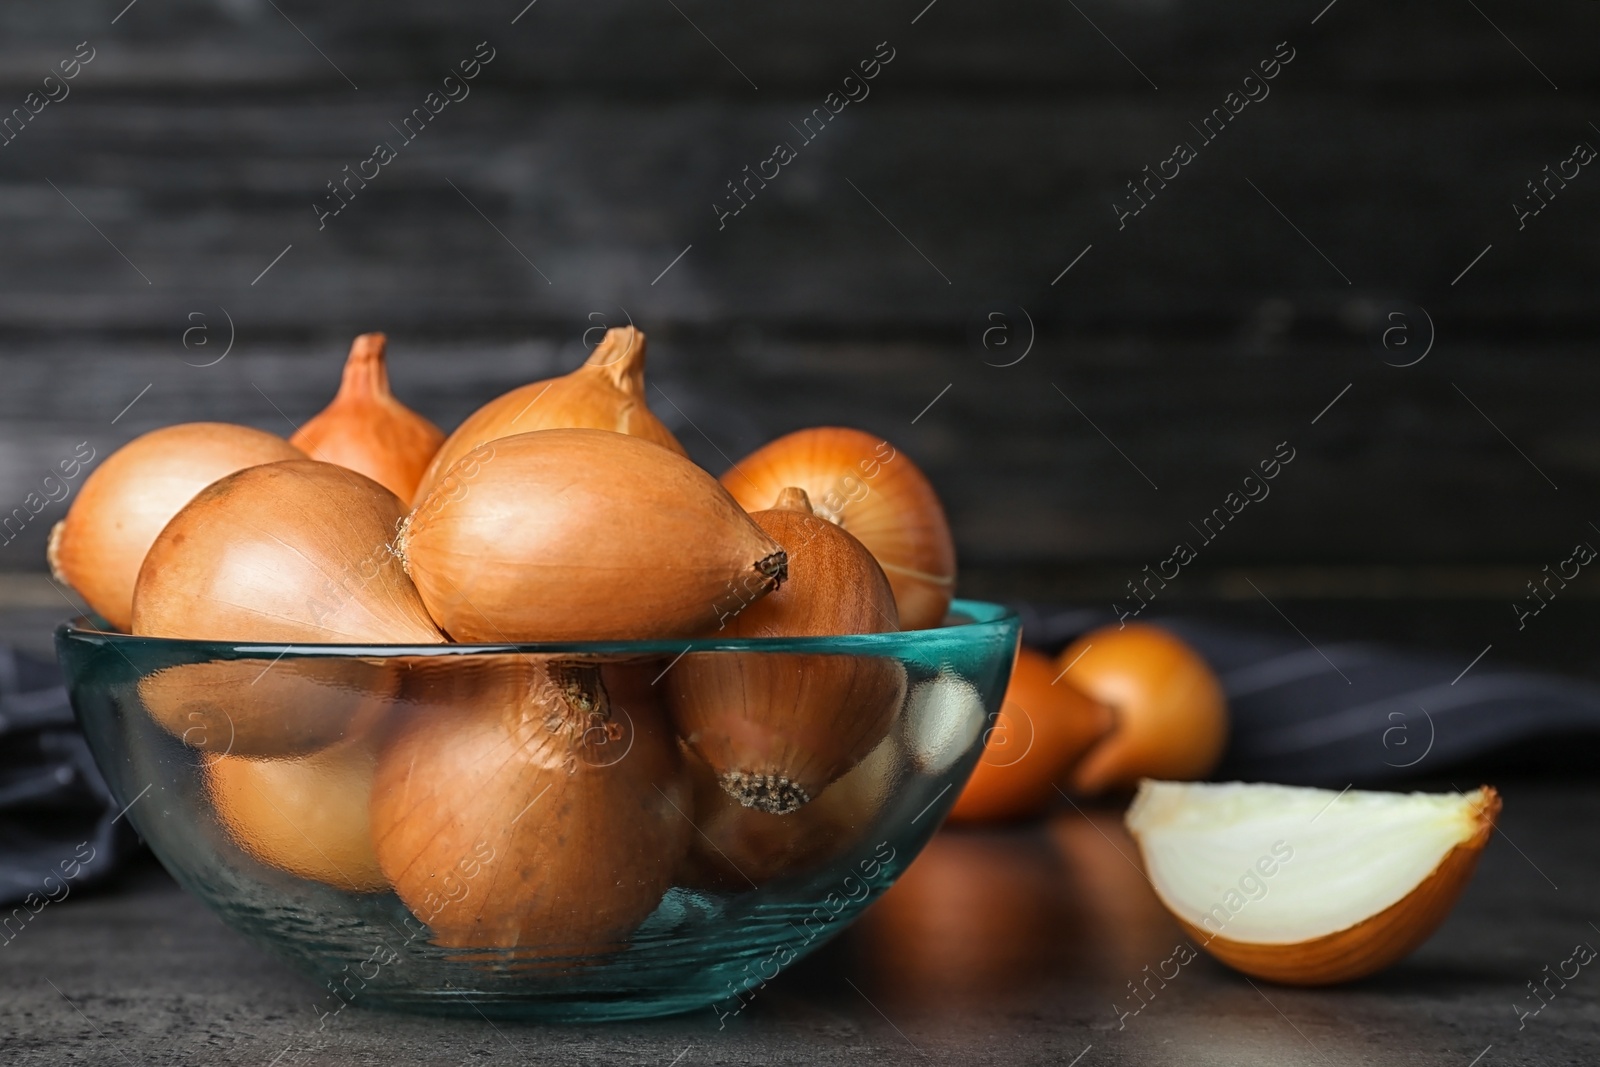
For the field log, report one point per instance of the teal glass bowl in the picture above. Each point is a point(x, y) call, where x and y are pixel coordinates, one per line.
point(414, 828)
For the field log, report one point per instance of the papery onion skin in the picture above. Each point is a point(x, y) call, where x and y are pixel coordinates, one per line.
point(1171, 713)
point(289, 551)
point(305, 816)
point(576, 534)
point(123, 504)
point(777, 728)
point(606, 393)
point(1042, 729)
point(366, 429)
point(533, 803)
point(867, 486)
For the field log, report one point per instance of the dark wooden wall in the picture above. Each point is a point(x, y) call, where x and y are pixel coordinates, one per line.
point(855, 287)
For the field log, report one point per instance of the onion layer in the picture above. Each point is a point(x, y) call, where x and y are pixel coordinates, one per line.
point(862, 483)
point(573, 535)
point(101, 544)
point(366, 429)
point(606, 393)
point(778, 727)
point(531, 802)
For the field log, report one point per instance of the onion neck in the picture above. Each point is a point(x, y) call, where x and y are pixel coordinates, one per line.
point(619, 357)
point(366, 374)
point(567, 706)
point(793, 498)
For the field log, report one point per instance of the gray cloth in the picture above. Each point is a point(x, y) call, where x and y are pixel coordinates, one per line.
point(59, 827)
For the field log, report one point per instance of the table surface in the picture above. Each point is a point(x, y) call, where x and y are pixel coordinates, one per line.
point(1012, 945)
point(996, 946)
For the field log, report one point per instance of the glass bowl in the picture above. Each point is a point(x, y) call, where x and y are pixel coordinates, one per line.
point(541, 831)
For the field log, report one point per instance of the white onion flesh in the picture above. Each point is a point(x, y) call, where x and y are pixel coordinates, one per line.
point(1351, 855)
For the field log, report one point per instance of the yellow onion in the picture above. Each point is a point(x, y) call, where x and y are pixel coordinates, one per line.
point(531, 802)
point(1042, 729)
point(98, 548)
point(776, 728)
point(366, 429)
point(289, 551)
point(606, 393)
point(740, 848)
point(1170, 713)
point(294, 551)
point(872, 490)
point(572, 535)
point(268, 706)
point(305, 816)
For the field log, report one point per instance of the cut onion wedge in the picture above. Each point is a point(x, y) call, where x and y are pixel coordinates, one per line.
point(1308, 886)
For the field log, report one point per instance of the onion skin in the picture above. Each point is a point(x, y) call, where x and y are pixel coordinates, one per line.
point(1041, 731)
point(124, 503)
point(606, 393)
point(366, 429)
point(289, 551)
point(876, 493)
point(777, 728)
point(1372, 944)
point(532, 802)
point(1171, 714)
point(574, 535)
point(305, 816)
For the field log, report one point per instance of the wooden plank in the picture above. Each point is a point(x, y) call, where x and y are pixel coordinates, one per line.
point(178, 181)
point(1402, 468)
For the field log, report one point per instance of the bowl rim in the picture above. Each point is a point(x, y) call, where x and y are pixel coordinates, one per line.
point(983, 619)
